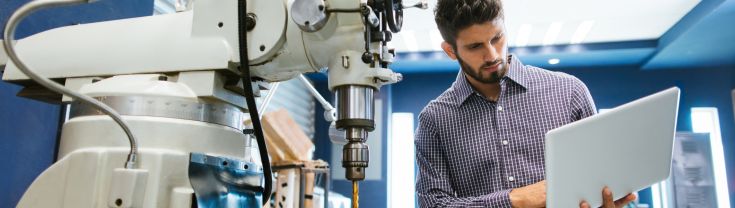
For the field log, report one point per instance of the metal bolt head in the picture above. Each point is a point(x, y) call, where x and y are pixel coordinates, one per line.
point(250, 21)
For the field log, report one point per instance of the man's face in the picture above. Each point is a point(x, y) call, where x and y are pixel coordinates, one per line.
point(481, 51)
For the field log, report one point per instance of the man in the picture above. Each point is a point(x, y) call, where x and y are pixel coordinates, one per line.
point(481, 142)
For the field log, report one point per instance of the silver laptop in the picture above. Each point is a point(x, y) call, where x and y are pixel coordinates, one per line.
point(627, 149)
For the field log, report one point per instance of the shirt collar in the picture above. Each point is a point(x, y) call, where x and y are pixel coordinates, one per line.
point(517, 72)
point(463, 89)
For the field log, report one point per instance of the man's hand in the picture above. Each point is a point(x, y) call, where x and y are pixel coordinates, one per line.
point(533, 195)
point(607, 200)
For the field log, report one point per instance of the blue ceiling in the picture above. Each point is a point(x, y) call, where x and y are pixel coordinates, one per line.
point(709, 42)
point(704, 38)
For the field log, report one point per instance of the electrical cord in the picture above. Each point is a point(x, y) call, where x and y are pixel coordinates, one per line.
point(250, 99)
point(9, 46)
point(394, 13)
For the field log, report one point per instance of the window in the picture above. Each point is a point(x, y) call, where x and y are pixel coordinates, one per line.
point(401, 175)
point(706, 120)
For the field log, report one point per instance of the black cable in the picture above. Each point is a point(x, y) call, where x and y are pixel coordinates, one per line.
point(250, 98)
point(384, 29)
point(394, 12)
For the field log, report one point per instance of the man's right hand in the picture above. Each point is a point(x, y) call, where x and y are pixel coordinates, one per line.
point(533, 195)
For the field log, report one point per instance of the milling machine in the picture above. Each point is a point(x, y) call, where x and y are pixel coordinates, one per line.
point(180, 86)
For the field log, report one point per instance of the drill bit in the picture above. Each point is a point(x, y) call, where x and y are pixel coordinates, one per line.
point(355, 196)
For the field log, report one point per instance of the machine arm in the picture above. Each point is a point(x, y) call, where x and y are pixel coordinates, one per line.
point(9, 47)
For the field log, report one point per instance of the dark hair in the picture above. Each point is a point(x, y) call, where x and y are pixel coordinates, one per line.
point(451, 16)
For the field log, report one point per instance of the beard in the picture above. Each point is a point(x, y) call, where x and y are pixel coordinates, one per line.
point(486, 78)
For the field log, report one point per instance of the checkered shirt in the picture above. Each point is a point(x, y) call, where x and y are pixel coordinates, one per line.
point(472, 151)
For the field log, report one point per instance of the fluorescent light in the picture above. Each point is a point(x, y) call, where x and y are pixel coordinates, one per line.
point(702, 121)
point(554, 61)
point(659, 193)
point(68, 112)
point(401, 163)
point(664, 194)
point(523, 34)
point(582, 31)
point(410, 40)
point(436, 40)
point(706, 120)
point(656, 195)
point(552, 33)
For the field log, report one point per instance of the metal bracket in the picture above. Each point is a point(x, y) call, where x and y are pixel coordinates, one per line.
point(387, 76)
point(225, 182)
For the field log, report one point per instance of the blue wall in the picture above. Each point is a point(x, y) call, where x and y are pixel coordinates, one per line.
point(28, 129)
point(611, 87)
point(28, 132)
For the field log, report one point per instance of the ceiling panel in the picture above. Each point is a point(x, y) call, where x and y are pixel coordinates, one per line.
point(612, 21)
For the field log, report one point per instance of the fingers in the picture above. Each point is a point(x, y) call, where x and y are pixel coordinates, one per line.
point(608, 202)
point(584, 204)
point(607, 198)
point(625, 200)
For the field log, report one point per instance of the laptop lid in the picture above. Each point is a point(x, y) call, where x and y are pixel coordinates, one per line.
point(627, 149)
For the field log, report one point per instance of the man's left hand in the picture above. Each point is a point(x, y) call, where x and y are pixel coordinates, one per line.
point(607, 200)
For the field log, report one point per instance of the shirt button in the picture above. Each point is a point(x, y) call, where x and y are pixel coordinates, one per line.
point(500, 108)
point(505, 142)
point(511, 179)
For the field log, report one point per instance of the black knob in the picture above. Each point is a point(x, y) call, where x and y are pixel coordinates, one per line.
point(367, 58)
